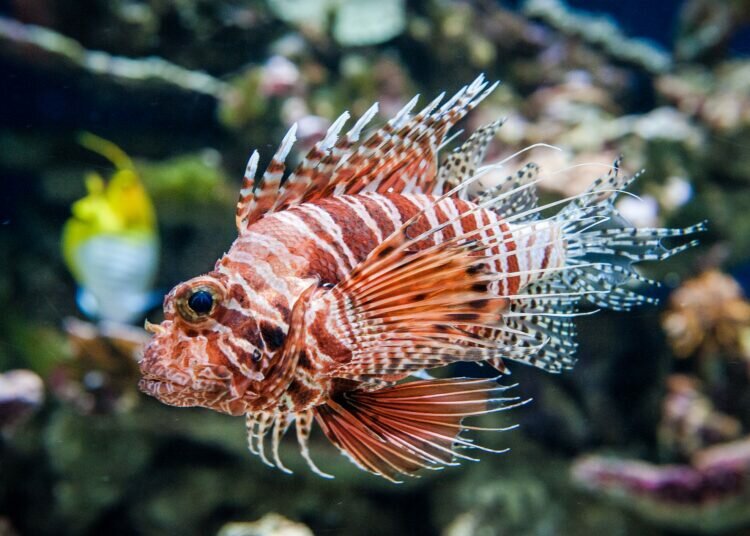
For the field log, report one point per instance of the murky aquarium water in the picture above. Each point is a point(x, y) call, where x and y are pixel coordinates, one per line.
point(367, 267)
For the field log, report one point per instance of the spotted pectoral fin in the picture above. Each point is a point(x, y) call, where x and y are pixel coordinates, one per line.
point(412, 426)
point(516, 195)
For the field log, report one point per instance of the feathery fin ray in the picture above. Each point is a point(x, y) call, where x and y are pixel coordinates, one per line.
point(401, 156)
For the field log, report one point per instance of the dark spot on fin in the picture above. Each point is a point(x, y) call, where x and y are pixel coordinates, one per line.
point(385, 251)
point(468, 317)
point(479, 304)
point(499, 365)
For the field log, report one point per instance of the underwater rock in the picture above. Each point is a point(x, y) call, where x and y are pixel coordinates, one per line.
point(534, 496)
point(710, 495)
point(6, 528)
point(355, 22)
point(566, 101)
point(184, 183)
point(706, 28)
point(600, 31)
point(708, 315)
point(69, 52)
point(369, 22)
point(279, 76)
point(244, 102)
point(95, 459)
point(689, 420)
point(269, 525)
point(582, 120)
point(719, 97)
point(21, 394)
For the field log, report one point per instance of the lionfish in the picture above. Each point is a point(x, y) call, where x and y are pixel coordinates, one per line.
point(369, 265)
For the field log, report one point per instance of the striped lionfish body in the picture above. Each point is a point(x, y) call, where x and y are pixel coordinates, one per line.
point(370, 264)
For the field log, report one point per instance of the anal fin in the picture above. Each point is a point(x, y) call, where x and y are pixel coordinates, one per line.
point(412, 426)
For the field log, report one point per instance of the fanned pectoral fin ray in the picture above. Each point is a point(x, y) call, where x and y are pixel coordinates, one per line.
point(414, 311)
point(403, 310)
point(400, 430)
point(304, 422)
point(391, 432)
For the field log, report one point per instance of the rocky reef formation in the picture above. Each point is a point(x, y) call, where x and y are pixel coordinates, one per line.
point(702, 484)
point(268, 525)
point(707, 496)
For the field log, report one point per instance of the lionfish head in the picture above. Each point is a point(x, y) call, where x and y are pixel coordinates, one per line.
point(207, 352)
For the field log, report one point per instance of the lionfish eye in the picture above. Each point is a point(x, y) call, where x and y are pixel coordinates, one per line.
point(198, 303)
point(201, 302)
point(256, 355)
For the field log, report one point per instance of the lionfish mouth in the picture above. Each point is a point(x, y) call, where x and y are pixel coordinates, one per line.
point(170, 392)
point(175, 394)
point(157, 379)
point(155, 387)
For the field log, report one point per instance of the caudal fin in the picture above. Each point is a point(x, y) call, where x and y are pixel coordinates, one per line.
point(398, 431)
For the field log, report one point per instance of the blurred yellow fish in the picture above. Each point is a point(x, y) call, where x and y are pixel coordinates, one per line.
point(110, 243)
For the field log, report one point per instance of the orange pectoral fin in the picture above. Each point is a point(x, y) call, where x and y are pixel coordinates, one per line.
point(403, 311)
point(400, 430)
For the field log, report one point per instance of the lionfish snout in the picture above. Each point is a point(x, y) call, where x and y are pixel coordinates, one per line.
point(157, 365)
point(178, 369)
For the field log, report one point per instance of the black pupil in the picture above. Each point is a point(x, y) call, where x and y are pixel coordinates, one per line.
point(201, 302)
